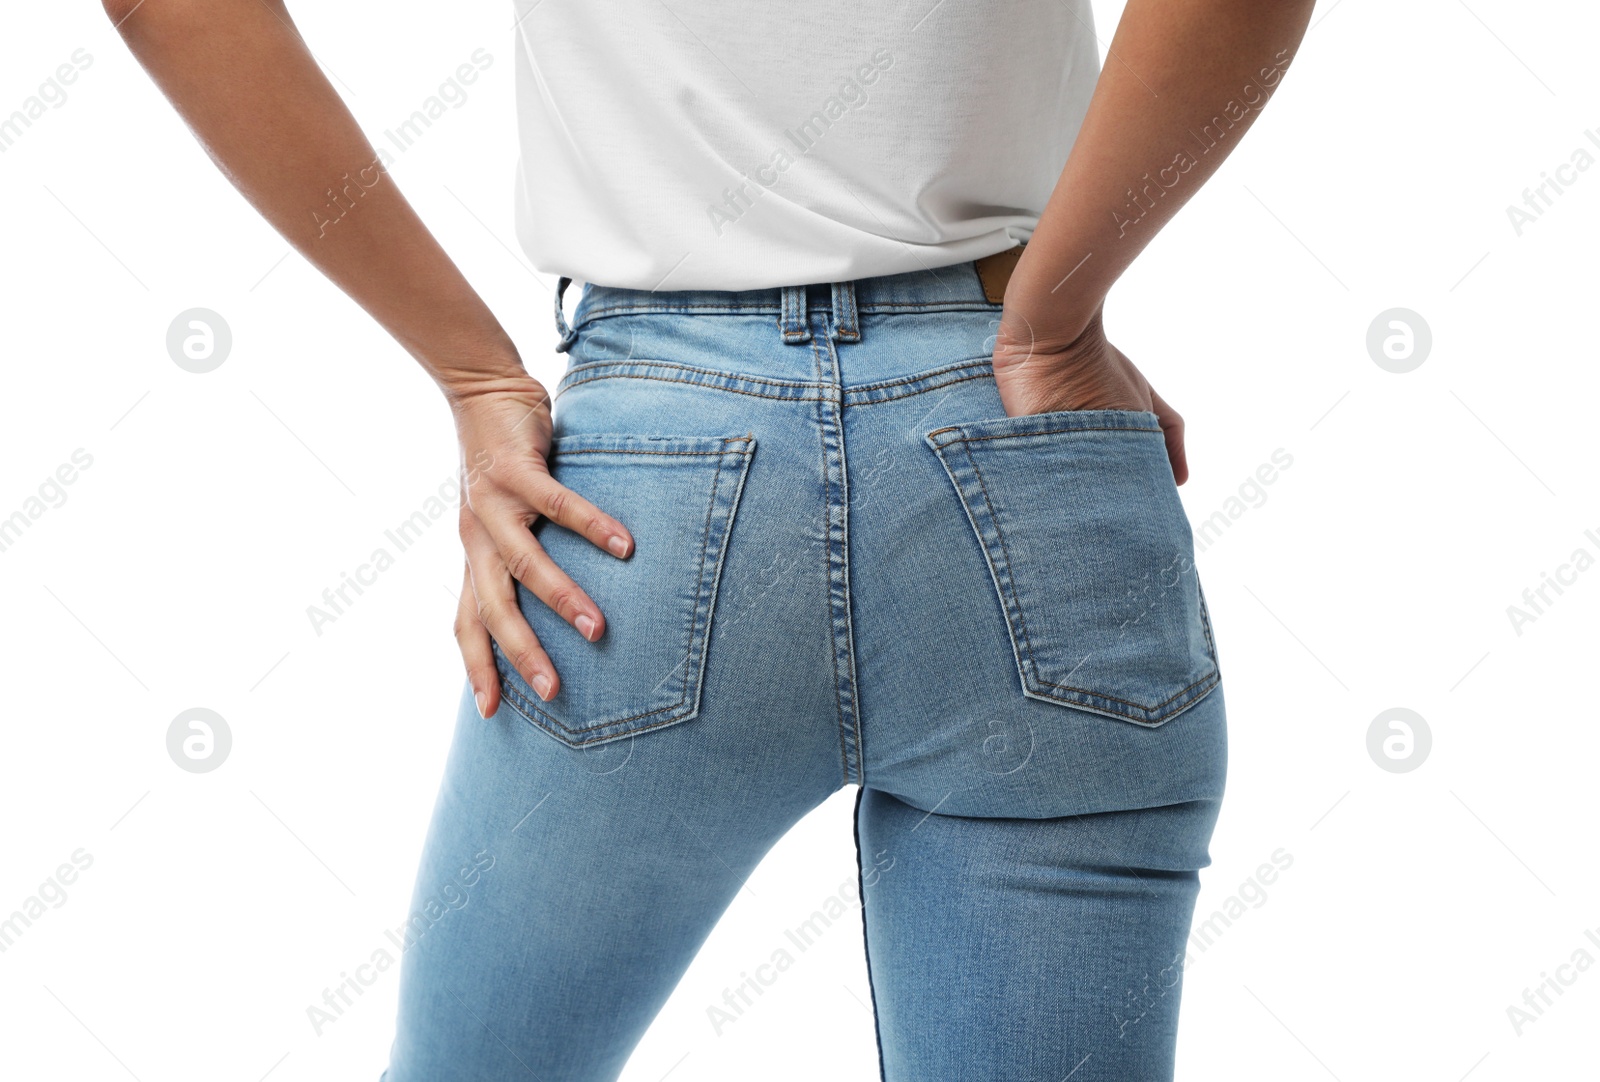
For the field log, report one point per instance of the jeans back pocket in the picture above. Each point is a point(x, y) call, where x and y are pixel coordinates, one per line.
point(1091, 556)
point(678, 496)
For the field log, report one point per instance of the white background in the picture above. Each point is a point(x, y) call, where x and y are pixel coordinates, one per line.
point(1377, 573)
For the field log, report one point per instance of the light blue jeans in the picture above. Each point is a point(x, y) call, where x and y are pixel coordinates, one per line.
point(851, 568)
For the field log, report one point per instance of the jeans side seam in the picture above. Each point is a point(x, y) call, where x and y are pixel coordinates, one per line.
point(866, 945)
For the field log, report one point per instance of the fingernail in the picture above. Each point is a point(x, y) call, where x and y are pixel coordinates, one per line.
point(618, 544)
point(586, 626)
point(481, 699)
point(541, 684)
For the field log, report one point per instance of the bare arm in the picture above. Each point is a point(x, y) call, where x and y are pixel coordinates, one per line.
point(1184, 81)
point(240, 75)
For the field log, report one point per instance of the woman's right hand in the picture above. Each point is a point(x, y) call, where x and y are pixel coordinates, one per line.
point(504, 426)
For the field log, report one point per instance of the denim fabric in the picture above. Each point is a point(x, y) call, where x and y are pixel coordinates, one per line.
point(851, 568)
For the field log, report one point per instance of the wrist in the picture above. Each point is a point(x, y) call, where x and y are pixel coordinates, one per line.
point(1045, 306)
point(461, 381)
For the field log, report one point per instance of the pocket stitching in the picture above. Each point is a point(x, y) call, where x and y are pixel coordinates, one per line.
point(700, 576)
point(1010, 602)
point(519, 701)
point(618, 451)
point(708, 598)
point(1010, 589)
point(1034, 432)
point(1139, 706)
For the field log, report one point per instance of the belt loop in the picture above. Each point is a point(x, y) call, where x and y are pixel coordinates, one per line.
point(793, 321)
point(568, 334)
point(845, 327)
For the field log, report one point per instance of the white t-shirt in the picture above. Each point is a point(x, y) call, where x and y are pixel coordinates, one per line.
point(706, 144)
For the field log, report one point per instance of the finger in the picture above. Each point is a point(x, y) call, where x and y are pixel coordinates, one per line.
point(495, 597)
point(530, 565)
point(567, 509)
point(1172, 429)
point(476, 651)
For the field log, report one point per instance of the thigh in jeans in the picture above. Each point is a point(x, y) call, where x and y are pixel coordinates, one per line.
point(581, 849)
point(1045, 754)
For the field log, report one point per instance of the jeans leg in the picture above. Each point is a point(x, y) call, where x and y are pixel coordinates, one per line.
point(1033, 950)
point(562, 892)
point(565, 886)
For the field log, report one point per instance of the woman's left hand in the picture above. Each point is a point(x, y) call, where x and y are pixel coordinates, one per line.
point(1038, 375)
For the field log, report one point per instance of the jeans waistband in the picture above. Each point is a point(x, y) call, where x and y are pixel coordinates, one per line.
point(956, 287)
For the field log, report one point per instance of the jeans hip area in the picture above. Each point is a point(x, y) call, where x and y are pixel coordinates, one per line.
point(851, 568)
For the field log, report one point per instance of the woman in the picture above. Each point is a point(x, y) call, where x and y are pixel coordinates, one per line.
point(844, 486)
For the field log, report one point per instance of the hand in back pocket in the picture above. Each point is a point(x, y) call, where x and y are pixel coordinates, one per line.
point(1038, 373)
